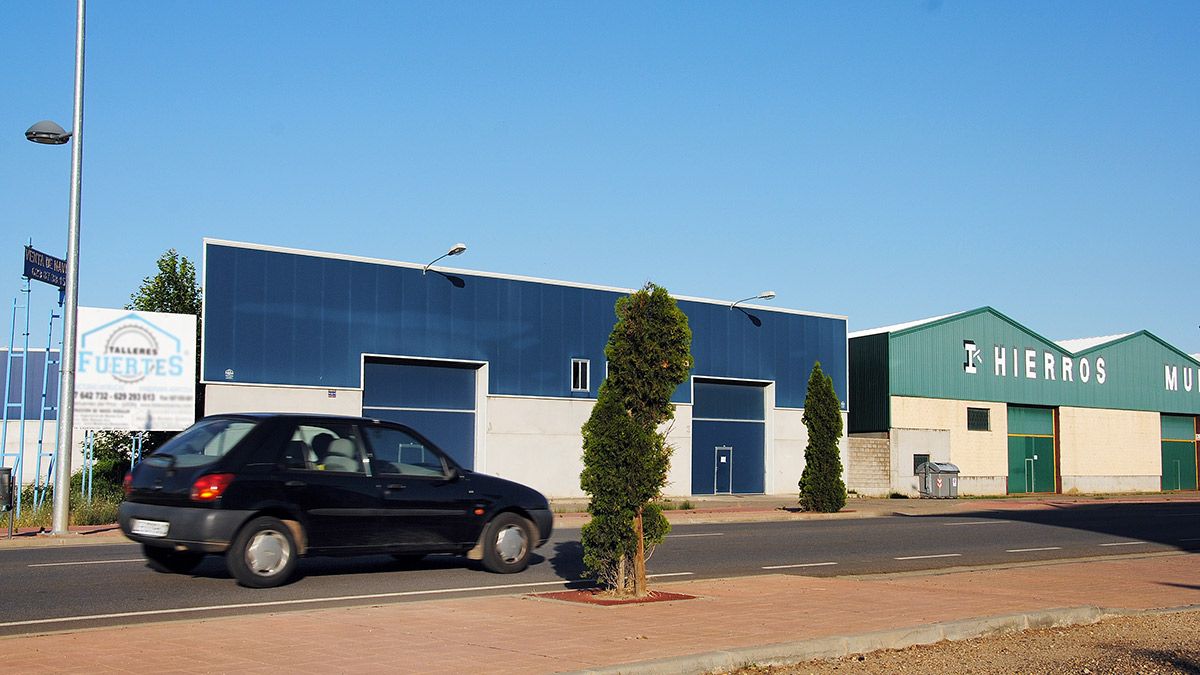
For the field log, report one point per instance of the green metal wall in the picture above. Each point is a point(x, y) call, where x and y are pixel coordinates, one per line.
point(929, 361)
point(870, 405)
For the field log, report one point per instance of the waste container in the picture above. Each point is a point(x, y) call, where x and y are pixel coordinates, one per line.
point(939, 480)
point(6, 496)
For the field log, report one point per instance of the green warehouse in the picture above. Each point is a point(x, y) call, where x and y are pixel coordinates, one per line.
point(1018, 413)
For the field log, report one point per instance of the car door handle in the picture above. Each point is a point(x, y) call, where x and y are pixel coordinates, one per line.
point(396, 486)
point(295, 483)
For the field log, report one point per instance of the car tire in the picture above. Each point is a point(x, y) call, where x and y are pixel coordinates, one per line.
point(508, 542)
point(170, 561)
point(263, 554)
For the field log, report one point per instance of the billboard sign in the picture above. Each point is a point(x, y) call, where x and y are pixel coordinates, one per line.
point(135, 371)
point(45, 268)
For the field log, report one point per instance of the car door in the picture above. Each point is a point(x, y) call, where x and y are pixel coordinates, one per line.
point(430, 503)
point(325, 474)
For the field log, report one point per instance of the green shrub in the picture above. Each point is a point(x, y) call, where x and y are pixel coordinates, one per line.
point(821, 485)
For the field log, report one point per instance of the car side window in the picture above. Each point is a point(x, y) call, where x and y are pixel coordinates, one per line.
point(324, 447)
point(397, 453)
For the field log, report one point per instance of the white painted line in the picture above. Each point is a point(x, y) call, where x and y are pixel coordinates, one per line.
point(700, 534)
point(1027, 550)
point(923, 557)
point(1124, 543)
point(784, 567)
point(668, 574)
point(979, 522)
point(283, 603)
point(88, 562)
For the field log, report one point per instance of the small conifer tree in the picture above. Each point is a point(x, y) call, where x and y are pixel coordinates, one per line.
point(821, 485)
point(625, 455)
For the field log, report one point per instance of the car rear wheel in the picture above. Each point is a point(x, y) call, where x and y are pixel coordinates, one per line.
point(170, 561)
point(263, 554)
point(507, 544)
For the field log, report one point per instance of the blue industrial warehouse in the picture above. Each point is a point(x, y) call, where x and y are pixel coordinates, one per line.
point(502, 370)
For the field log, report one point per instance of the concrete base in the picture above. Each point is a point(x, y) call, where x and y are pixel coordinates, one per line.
point(1110, 484)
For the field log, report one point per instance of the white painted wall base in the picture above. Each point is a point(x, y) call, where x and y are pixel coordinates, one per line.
point(982, 486)
point(29, 453)
point(232, 398)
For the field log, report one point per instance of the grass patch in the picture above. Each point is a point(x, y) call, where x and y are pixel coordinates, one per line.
point(101, 510)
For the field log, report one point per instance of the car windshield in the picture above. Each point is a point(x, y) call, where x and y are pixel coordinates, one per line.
point(203, 443)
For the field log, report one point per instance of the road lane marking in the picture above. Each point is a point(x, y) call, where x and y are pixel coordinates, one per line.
point(1124, 543)
point(700, 534)
point(1027, 550)
point(784, 567)
point(923, 557)
point(979, 522)
point(87, 562)
point(300, 601)
point(667, 574)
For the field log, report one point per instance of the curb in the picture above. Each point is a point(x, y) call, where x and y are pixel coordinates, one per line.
point(787, 653)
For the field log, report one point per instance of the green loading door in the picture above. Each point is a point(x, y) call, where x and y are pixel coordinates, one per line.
point(1030, 450)
point(1178, 452)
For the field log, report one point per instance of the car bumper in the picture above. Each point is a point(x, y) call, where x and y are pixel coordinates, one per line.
point(192, 529)
point(544, 519)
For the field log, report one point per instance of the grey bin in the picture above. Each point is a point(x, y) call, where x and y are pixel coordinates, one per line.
point(939, 480)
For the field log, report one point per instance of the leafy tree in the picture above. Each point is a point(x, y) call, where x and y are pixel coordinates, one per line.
point(821, 486)
point(625, 454)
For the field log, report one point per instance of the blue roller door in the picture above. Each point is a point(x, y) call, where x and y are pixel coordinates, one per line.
point(728, 438)
point(435, 398)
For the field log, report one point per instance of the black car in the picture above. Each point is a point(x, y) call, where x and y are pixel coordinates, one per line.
point(266, 489)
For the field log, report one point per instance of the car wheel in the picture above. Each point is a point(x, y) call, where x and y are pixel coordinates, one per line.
point(263, 554)
point(507, 544)
point(170, 561)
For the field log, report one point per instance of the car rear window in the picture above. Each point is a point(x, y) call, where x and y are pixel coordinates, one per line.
point(203, 443)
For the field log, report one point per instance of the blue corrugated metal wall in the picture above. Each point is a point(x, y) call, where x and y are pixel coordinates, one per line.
point(296, 319)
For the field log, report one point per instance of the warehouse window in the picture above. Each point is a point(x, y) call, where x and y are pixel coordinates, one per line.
point(979, 419)
point(918, 460)
point(579, 375)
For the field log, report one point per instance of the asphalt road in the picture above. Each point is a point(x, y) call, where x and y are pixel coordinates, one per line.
point(61, 588)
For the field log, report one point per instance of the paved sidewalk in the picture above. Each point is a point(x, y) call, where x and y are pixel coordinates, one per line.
point(522, 634)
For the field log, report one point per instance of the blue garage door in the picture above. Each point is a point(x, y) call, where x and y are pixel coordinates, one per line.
point(434, 397)
point(728, 438)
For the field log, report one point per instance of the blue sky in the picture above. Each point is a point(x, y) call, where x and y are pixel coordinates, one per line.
point(883, 160)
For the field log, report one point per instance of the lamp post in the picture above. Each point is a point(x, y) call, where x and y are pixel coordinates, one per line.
point(49, 133)
point(454, 250)
point(765, 295)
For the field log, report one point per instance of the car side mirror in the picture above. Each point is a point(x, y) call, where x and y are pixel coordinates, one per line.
point(452, 474)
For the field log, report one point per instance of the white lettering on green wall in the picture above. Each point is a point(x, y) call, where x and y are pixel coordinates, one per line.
point(1027, 364)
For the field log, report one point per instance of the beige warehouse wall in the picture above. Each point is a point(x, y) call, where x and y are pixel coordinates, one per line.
point(226, 398)
point(1098, 442)
point(977, 453)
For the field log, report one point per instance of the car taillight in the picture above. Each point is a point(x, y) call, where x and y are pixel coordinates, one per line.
point(127, 484)
point(211, 486)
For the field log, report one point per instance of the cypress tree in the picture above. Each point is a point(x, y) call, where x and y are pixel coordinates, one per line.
point(625, 455)
point(821, 485)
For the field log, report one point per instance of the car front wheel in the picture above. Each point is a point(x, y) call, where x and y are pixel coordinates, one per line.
point(507, 544)
point(263, 554)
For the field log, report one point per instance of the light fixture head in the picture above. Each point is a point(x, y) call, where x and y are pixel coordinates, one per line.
point(457, 248)
point(766, 295)
point(47, 132)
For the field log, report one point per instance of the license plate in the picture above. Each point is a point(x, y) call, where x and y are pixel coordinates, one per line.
point(149, 528)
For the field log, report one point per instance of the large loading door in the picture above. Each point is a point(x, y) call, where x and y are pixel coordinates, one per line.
point(436, 398)
point(1031, 450)
point(1179, 434)
point(728, 438)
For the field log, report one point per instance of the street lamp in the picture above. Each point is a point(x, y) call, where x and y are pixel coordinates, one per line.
point(765, 295)
point(49, 133)
point(454, 250)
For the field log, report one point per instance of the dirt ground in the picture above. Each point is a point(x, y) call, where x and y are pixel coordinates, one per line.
point(1149, 644)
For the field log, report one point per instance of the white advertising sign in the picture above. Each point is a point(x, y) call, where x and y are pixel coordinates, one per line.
point(135, 371)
